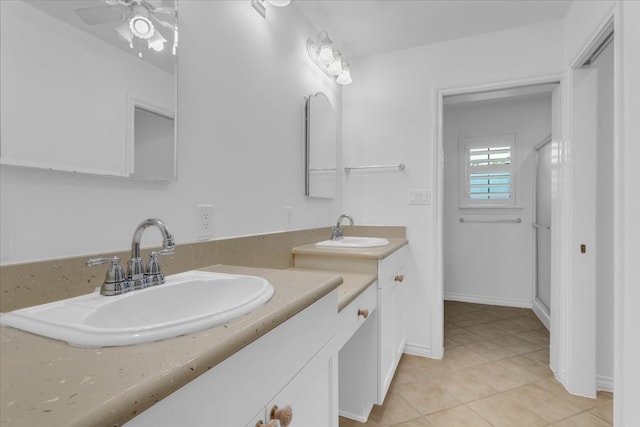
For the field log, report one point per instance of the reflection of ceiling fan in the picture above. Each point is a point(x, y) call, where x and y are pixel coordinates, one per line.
point(134, 19)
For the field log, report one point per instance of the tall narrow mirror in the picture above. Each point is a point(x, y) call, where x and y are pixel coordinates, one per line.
point(69, 70)
point(320, 153)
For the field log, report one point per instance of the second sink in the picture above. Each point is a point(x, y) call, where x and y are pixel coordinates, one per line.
point(354, 242)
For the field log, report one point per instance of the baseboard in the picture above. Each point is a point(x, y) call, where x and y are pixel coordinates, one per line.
point(418, 350)
point(541, 311)
point(508, 302)
point(355, 417)
point(604, 383)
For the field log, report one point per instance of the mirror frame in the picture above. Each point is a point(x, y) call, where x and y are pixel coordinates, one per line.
point(307, 145)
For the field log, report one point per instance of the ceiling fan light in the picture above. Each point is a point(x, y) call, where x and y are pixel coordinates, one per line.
point(156, 42)
point(280, 3)
point(141, 26)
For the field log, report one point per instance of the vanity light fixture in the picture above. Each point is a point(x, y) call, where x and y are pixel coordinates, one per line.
point(260, 5)
point(326, 56)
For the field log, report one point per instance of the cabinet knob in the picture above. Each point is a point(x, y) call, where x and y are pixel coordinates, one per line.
point(363, 312)
point(272, 423)
point(399, 278)
point(284, 415)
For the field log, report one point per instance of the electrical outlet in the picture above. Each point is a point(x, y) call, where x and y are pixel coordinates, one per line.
point(205, 221)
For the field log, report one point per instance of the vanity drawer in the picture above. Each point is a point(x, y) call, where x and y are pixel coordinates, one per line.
point(355, 314)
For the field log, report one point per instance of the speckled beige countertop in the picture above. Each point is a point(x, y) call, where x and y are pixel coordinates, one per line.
point(353, 284)
point(45, 382)
point(379, 252)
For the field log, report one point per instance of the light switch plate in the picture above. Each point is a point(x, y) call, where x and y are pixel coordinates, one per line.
point(419, 197)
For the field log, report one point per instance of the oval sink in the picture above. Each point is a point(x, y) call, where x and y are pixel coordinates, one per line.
point(354, 242)
point(186, 303)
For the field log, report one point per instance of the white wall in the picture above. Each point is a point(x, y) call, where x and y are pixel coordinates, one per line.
point(241, 86)
point(493, 263)
point(389, 117)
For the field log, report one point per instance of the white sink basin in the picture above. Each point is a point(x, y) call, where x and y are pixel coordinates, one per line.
point(354, 242)
point(186, 303)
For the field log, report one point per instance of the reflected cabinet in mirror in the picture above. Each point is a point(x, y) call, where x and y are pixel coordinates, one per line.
point(320, 147)
point(77, 77)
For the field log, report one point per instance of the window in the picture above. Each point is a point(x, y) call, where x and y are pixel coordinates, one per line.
point(487, 176)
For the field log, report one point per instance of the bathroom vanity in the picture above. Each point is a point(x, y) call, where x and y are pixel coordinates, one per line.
point(369, 351)
point(327, 342)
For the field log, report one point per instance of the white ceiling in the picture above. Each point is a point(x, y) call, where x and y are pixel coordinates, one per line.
point(367, 27)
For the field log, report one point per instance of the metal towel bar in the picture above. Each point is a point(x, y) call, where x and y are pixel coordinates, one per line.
point(400, 167)
point(517, 220)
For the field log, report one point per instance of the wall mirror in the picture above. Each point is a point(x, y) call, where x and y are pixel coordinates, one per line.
point(71, 70)
point(320, 147)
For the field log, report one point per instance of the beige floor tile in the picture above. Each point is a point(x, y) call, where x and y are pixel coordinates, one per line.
point(526, 368)
point(538, 336)
point(427, 397)
point(584, 419)
point(485, 330)
point(462, 357)
point(517, 325)
point(558, 390)
point(501, 411)
point(418, 422)
point(540, 356)
point(604, 412)
point(498, 376)
point(542, 403)
point(490, 351)
point(394, 411)
point(460, 416)
point(515, 344)
point(464, 386)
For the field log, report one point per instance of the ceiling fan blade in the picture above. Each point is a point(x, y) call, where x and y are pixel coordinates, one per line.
point(99, 15)
point(163, 10)
point(163, 23)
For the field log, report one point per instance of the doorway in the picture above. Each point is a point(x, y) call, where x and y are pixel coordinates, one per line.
point(490, 141)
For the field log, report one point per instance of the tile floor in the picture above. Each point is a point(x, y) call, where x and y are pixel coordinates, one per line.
point(495, 372)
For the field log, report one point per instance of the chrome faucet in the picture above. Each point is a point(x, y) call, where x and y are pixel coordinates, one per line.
point(336, 232)
point(137, 277)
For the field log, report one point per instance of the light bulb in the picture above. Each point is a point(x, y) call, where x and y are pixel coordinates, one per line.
point(335, 68)
point(156, 42)
point(326, 54)
point(345, 76)
point(141, 27)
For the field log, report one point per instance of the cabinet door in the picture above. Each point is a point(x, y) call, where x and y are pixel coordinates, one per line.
point(391, 318)
point(400, 332)
point(311, 395)
point(386, 339)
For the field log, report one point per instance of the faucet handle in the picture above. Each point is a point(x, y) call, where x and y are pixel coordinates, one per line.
point(153, 271)
point(115, 281)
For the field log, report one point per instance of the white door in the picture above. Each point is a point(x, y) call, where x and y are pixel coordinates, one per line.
point(542, 227)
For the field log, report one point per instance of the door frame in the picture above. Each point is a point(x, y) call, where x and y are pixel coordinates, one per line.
point(437, 324)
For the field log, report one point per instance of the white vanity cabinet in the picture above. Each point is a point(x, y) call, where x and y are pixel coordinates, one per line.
point(293, 364)
point(391, 318)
